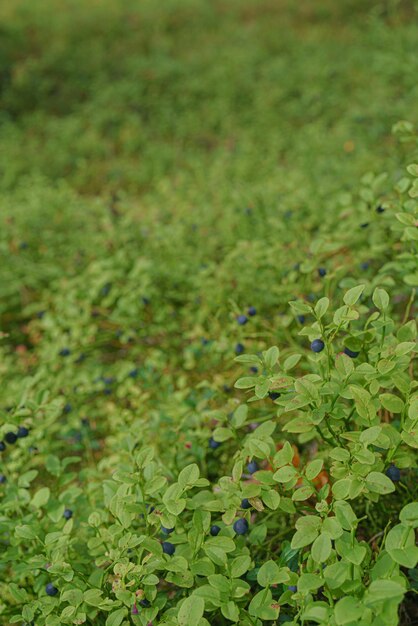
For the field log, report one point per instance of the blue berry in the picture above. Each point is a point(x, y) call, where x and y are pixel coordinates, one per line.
point(214, 444)
point(3, 479)
point(273, 395)
point(252, 467)
point(242, 319)
point(10, 437)
point(168, 548)
point(68, 514)
point(22, 432)
point(166, 531)
point(351, 353)
point(292, 588)
point(239, 348)
point(65, 352)
point(2, 446)
point(133, 373)
point(51, 590)
point(215, 530)
point(364, 265)
point(317, 345)
point(204, 341)
point(380, 209)
point(253, 369)
point(105, 289)
point(245, 504)
point(241, 526)
point(67, 408)
point(145, 603)
point(322, 271)
point(145, 300)
point(252, 311)
point(300, 319)
point(365, 225)
point(393, 473)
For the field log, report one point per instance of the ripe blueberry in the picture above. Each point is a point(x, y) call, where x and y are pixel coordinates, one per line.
point(215, 530)
point(214, 444)
point(67, 408)
point(241, 526)
point(364, 265)
point(145, 603)
point(3, 479)
point(168, 548)
point(293, 588)
point(253, 369)
point(22, 432)
point(145, 300)
point(365, 225)
point(380, 209)
point(273, 395)
point(133, 373)
point(317, 345)
point(252, 311)
point(105, 289)
point(65, 352)
point(393, 473)
point(239, 348)
point(68, 514)
point(322, 271)
point(51, 590)
point(300, 319)
point(242, 319)
point(2, 446)
point(10, 437)
point(166, 531)
point(351, 353)
point(252, 467)
point(245, 504)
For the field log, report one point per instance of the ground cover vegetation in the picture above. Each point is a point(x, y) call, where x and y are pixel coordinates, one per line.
point(209, 263)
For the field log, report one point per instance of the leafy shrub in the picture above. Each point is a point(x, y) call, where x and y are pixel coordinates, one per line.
point(147, 477)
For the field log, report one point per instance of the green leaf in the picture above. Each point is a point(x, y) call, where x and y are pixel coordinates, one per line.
point(391, 402)
point(189, 475)
point(115, 618)
point(380, 299)
point(347, 610)
point(239, 416)
point(303, 538)
point(263, 607)
point(271, 356)
point(409, 514)
point(270, 574)
point(291, 362)
point(321, 307)
point(285, 474)
point(240, 565)
point(344, 365)
point(230, 611)
point(191, 611)
point(383, 590)
point(321, 548)
point(246, 382)
point(352, 295)
point(41, 497)
point(379, 483)
point(309, 582)
point(284, 456)
point(313, 469)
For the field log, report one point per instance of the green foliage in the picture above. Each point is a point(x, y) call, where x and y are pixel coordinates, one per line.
point(166, 166)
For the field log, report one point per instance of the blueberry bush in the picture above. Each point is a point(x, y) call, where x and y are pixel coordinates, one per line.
point(208, 395)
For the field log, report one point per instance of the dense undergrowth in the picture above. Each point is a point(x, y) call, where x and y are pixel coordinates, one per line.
point(180, 445)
